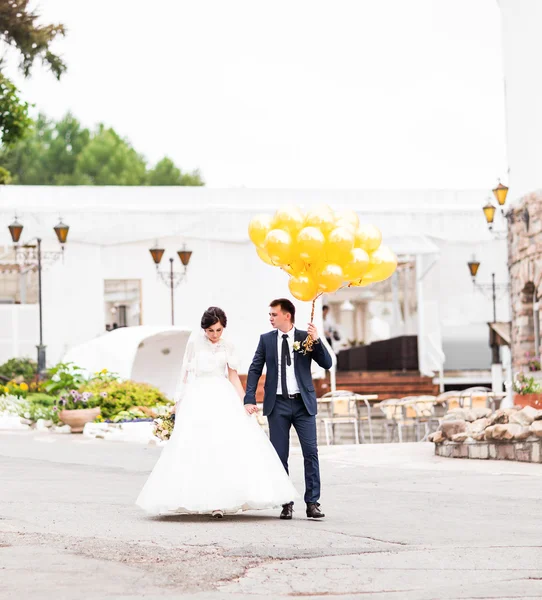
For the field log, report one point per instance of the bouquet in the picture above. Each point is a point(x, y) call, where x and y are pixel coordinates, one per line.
point(163, 427)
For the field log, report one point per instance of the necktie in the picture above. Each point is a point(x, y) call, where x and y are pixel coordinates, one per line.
point(285, 360)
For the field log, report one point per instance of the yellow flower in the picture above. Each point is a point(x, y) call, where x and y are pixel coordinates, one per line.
point(103, 371)
point(6, 389)
point(24, 387)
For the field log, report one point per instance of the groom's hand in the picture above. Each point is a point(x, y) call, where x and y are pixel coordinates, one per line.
point(312, 331)
point(251, 408)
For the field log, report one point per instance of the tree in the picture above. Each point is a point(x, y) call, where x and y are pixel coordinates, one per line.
point(20, 30)
point(65, 153)
point(166, 173)
point(109, 160)
point(48, 154)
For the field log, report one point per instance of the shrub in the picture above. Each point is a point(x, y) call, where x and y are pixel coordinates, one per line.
point(41, 399)
point(63, 378)
point(116, 396)
point(14, 368)
point(14, 389)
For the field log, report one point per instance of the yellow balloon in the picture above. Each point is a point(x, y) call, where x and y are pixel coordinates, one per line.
point(330, 278)
point(264, 256)
point(303, 287)
point(258, 229)
point(289, 218)
point(296, 267)
point(368, 237)
point(356, 265)
point(310, 244)
point(382, 265)
point(339, 244)
point(321, 217)
point(279, 246)
point(347, 217)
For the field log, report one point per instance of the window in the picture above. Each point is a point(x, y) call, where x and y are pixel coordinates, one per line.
point(122, 303)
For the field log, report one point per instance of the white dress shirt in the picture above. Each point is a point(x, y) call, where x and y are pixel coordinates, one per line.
point(291, 381)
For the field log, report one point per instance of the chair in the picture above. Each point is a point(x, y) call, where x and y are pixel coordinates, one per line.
point(449, 400)
point(412, 414)
point(392, 411)
point(342, 412)
point(362, 410)
point(424, 408)
point(477, 397)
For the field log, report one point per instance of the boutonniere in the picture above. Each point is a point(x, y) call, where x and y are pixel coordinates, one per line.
point(297, 346)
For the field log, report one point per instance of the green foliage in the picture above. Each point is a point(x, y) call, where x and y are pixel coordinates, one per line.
point(28, 408)
point(133, 414)
point(115, 396)
point(63, 378)
point(14, 389)
point(166, 173)
point(19, 367)
point(41, 399)
point(525, 385)
point(14, 119)
point(109, 160)
point(20, 30)
point(65, 153)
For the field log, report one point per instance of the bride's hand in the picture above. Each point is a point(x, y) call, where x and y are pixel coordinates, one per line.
point(251, 408)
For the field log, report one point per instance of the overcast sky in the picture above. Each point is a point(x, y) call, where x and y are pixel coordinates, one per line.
point(291, 93)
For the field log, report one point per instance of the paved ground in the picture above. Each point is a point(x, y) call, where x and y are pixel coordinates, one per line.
point(402, 524)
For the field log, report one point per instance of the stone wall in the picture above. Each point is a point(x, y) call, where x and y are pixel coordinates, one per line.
point(525, 266)
point(528, 451)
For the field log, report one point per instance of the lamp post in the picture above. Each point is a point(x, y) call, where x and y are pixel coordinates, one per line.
point(31, 258)
point(171, 277)
point(492, 287)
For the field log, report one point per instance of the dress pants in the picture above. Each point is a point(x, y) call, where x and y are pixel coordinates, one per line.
point(291, 411)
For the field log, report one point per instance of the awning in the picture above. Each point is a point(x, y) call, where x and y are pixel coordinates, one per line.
point(500, 333)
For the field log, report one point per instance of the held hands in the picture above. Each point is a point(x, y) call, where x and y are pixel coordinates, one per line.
point(312, 331)
point(251, 408)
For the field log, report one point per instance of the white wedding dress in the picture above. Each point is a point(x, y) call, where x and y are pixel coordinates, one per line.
point(218, 457)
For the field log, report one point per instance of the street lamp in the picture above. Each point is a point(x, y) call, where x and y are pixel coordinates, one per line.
point(30, 257)
point(492, 287)
point(500, 192)
point(171, 278)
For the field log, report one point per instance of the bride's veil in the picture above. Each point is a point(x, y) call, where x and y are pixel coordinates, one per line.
point(188, 368)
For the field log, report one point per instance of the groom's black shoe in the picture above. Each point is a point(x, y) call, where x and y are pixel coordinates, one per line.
point(313, 511)
point(287, 511)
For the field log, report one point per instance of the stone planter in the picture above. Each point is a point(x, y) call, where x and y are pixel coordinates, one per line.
point(77, 419)
point(534, 400)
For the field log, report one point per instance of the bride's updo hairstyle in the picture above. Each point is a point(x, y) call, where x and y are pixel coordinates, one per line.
point(212, 316)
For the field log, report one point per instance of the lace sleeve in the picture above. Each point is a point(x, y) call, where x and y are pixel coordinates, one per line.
point(232, 357)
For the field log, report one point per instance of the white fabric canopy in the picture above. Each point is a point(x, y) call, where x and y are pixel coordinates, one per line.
point(145, 354)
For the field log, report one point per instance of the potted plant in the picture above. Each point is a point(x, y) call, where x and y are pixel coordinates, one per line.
point(74, 410)
point(528, 391)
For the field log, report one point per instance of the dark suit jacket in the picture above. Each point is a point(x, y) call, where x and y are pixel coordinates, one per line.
point(267, 354)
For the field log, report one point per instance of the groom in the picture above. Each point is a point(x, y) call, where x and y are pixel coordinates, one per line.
point(289, 397)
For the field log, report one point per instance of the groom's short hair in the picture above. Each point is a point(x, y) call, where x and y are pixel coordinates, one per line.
point(285, 305)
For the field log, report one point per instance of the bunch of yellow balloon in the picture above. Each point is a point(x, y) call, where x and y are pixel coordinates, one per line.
point(321, 250)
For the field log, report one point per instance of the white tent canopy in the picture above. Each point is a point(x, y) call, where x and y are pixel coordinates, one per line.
point(145, 354)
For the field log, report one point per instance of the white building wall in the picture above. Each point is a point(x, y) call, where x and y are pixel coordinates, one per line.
point(522, 50)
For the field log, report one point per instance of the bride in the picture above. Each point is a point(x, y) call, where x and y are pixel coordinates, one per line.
point(218, 460)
